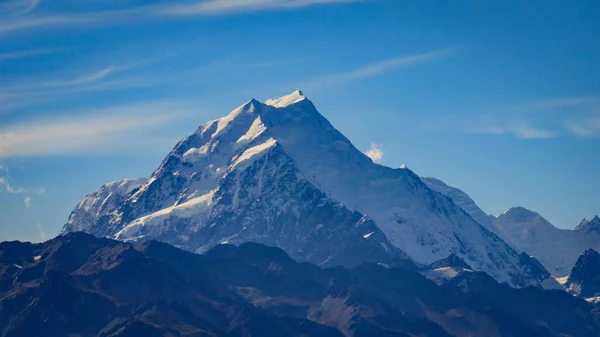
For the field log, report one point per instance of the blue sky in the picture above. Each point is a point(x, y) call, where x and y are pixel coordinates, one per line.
point(499, 98)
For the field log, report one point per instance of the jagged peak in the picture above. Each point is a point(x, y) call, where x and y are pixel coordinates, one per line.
point(591, 224)
point(286, 100)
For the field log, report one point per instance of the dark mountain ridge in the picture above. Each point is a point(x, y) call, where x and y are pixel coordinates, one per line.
point(79, 285)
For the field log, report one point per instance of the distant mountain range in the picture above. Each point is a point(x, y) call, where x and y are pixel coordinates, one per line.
point(278, 173)
point(527, 231)
point(80, 285)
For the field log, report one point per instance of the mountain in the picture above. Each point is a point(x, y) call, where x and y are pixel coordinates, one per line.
point(80, 285)
point(527, 231)
point(589, 225)
point(101, 203)
point(445, 269)
point(584, 279)
point(461, 199)
point(280, 174)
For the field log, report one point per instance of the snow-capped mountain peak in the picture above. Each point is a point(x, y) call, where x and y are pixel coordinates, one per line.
point(280, 174)
point(287, 100)
point(521, 219)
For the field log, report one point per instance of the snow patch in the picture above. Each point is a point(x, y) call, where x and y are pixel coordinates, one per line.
point(195, 154)
point(254, 131)
point(223, 122)
point(252, 154)
point(288, 100)
point(154, 221)
point(444, 273)
point(562, 280)
point(595, 299)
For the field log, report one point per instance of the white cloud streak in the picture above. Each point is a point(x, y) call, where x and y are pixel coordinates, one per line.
point(380, 68)
point(522, 131)
point(29, 53)
point(550, 118)
point(166, 9)
point(27, 201)
point(561, 103)
point(88, 132)
point(375, 152)
point(6, 186)
point(232, 6)
point(17, 7)
point(587, 126)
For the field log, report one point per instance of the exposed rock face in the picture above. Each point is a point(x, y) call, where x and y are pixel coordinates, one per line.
point(584, 280)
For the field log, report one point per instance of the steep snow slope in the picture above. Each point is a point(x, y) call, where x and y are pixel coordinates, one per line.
point(462, 200)
point(99, 204)
point(279, 173)
point(527, 231)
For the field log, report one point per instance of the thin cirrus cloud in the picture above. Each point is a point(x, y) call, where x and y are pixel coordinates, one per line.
point(28, 53)
point(230, 6)
point(17, 7)
point(115, 129)
point(6, 186)
point(379, 68)
point(91, 76)
point(35, 91)
point(588, 126)
point(549, 118)
point(28, 19)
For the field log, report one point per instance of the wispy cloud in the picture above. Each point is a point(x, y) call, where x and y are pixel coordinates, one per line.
point(17, 7)
point(6, 186)
point(90, 131)
point(375, 152)
point(47, 88)
point(379, 68)
point(540, 119)
point(27, 201)
point(560, 103)
point(232, 6)
point(29, 53)
point(587, 126)
point(522, 131)
point(166, 9)
point(90, 76)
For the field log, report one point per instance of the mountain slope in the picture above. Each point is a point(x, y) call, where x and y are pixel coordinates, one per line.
point(279, 173)
point(527, 231)
point(584, 279)
point(461, 199)
point(100, 203)
point(80, 285)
